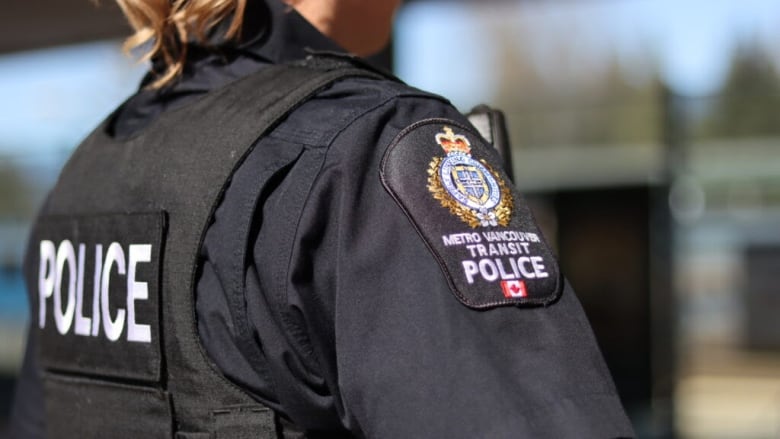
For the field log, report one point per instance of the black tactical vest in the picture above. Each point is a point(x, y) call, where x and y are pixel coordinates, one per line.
point(112, 260)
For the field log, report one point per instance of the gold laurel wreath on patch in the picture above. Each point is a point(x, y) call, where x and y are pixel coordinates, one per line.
point(503, 209)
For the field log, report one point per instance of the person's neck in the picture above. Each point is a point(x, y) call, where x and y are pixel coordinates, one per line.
point(362, 31)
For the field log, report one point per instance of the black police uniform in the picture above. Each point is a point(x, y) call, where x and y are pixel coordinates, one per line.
point(369, 271)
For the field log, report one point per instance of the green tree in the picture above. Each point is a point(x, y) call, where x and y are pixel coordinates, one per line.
point(17, 200)
point(593, 104)
point(749, 103)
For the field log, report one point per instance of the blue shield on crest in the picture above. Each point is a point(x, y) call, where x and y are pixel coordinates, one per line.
point(470, 181)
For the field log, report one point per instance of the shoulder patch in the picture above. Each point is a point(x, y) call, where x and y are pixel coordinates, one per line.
point(475, 223)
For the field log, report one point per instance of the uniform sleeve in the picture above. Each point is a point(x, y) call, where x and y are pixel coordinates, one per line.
point(408, 348)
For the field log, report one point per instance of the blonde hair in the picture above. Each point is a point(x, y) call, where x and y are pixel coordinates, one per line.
point(167, 26)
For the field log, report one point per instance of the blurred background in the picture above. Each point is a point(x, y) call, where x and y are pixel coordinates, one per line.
point(646, 135)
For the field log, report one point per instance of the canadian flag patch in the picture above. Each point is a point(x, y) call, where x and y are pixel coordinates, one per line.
point(514, 288)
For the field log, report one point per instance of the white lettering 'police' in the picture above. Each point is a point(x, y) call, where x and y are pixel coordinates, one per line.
point(54, 263)
point(491, 270)
point(137, 291)
point(112, 328)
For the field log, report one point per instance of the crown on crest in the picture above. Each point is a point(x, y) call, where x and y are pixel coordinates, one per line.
point(452, 143)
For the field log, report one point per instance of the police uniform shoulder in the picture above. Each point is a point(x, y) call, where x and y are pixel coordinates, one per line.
point(389, 82)
point(450, 183)
point(336, 107)
point(382, 89)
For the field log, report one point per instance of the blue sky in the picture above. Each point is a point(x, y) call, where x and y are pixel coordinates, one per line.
point(50, 99)
point(690, 39)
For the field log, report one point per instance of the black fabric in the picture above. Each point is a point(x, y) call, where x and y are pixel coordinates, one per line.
point(79, 408)
point(480, 230)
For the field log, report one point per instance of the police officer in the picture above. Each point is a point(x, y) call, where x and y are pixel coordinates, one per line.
point(271, 239)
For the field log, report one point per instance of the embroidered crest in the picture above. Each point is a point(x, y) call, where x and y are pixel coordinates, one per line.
point(467, 187)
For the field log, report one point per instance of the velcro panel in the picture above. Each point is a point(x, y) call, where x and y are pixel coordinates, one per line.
point(97, 305)
point(86, 408)
point(244, 422)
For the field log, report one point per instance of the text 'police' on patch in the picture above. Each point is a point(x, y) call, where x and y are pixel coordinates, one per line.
point(98, 298)
point(62, 263)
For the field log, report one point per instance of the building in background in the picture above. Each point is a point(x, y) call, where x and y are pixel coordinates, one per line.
point(647, 133)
